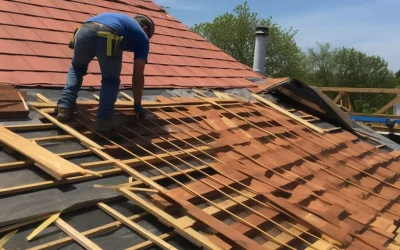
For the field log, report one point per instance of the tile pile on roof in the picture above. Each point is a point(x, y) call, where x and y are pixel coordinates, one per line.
point(34, 35)
point(219, 172)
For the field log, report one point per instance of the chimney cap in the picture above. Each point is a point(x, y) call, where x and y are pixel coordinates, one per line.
point(262, 30)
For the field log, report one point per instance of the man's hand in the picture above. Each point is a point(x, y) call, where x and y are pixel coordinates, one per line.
point(140, 113)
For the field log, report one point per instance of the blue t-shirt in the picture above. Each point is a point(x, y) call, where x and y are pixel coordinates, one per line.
point(135, 39)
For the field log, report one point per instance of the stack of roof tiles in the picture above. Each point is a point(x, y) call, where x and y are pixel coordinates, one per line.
point(34, 35)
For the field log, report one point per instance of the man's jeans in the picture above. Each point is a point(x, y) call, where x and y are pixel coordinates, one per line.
point(87, 46)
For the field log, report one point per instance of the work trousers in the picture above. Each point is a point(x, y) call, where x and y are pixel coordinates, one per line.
point(87, 46)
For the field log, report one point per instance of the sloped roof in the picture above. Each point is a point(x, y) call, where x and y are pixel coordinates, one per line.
point(235, 175)
point(34, 35)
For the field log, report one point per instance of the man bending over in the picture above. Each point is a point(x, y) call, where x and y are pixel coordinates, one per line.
point(106, 36)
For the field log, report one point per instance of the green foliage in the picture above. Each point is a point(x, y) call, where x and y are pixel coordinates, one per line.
point(234, 33)
point(397, 74)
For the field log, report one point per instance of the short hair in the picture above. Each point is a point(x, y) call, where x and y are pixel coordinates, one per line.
point(144, 20)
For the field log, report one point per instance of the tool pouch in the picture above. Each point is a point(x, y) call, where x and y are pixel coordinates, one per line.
point(114, 44)
point(71, 44)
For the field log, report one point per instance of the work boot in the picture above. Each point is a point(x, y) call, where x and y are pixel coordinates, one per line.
point(108, 125)
point(64, 114)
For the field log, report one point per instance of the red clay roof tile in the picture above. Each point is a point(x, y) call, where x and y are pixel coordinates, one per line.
point(176, 52)
point(47, 3)
point(22, 33)
point(59, 14)
point(79, 17)
point(67, 5)
point(9, 7)
point(46, 64)
point(6, 19)
point(53, 36)
point(42, 49)
point(56, 24)
point(32, 10)
point(4, 33)
point(27, 21)
point(8, 62)
point(14, 47)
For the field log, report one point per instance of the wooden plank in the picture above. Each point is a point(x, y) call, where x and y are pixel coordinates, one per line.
point(71, 131)
point(43, 226)
point(77, 236)
point(215, 224)
point(7, 237)
point(134, 226)
point(148, 243)
point(88, 233)
point(338, 97)
point(49, 162)
point(359, 90)
point(181, 226)
point(285, 112)
point(387, 106)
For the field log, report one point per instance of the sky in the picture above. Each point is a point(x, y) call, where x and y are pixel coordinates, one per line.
point(371, 26)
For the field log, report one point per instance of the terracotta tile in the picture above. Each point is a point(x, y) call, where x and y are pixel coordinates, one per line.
point(186, 43)
point(59, 78)
point(201, 72)
point(94, 67)
point(173, 50)
point(74, 25)
point(168, 70)
point(57, 25)
point(59, 14)
point(183, 71)
point(36, 78)
point(160, 59)
point(153, 81)
point(45, 49)
point(210, 63)
point(67, 5)
point(14, 47)
point(10, 77)
point(46, 3)
point(27, 21)
point(9, 7)
point(8, 62)
point(4, 33)
point(189, 52)
point(33, 10)
point(98, 9)
point(159, 49)
point(53, 36)
point(6, 19)
point(152, 70)
point(80, 17)
point(67, 52)
point(22, 33)
point(92, 80)
point(178, 60)
point(46, 64)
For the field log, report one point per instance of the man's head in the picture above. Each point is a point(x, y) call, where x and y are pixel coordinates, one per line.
point(147, 24)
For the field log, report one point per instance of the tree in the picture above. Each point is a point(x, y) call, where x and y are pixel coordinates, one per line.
point(397, 74)
point(234, 33)
point(348, 67)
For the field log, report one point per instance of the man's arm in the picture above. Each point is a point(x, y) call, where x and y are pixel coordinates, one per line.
point(138, 80)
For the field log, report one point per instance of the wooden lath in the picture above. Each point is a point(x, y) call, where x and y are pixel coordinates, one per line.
point(224, 148)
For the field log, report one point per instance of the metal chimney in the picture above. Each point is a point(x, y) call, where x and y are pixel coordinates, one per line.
point(260, 52)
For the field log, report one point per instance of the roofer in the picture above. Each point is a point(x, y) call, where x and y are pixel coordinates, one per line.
point(106, 36)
